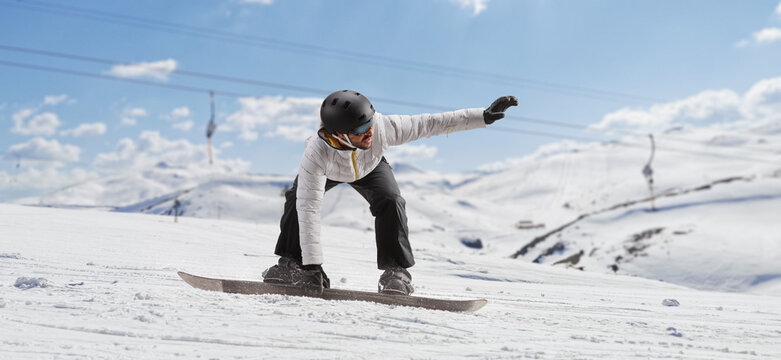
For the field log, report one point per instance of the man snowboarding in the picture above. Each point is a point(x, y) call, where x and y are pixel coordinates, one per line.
point(349, 149)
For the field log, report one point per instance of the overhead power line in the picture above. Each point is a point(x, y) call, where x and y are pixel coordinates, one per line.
point(242, 95)
point(318, 92)
point(195, 74)
point(113, 78)
point(322, 51)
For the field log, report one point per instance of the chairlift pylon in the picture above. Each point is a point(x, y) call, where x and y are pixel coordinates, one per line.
point(210, 129)
point(648, 172)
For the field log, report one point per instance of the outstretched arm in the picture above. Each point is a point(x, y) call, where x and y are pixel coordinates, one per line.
point(400, 129)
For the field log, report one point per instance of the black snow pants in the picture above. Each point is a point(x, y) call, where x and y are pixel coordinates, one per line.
point(387, 206)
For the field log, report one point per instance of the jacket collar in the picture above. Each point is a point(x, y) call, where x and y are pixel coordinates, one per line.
point(331, 140)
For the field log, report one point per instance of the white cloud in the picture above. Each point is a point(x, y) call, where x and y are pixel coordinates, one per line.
point(758, 110)
point(130, 116)
point(411, 153)
point(544, 151)
point(292, 118)
point(743, 43)
point(125, 148)
point(181, 116)
point(151, 141)
point(248, 135)
point(42, 150)
point(763, 99)
point(184, 125)
point(261, 2)
point(292, 133)
point(226, 144)
point(764, 36)
point(135, 112)
point(767, 35)
point(44, 124)
point(705, 107)
point(21, 115)
point(85, 130)
point(31, 180)
point(180, 112)
point(477, 6)
point(157, 70)
point(54, 99)
point(151, 149)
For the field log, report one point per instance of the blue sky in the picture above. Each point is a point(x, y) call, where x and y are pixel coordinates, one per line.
point(65, 119)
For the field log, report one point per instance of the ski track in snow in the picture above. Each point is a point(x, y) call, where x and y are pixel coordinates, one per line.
point(115, 294)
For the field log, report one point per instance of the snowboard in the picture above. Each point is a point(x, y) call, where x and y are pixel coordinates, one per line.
point(250, 287)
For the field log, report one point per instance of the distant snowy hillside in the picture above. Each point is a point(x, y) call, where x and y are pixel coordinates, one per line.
point(584, 206)
point(713, 225)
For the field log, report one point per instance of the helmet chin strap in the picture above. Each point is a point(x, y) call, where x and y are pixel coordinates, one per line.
point(346, 141)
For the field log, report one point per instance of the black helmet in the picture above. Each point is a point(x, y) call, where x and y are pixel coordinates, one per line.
point(346, 110)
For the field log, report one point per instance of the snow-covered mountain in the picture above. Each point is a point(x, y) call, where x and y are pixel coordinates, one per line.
point(585, 206)
point(90, 273)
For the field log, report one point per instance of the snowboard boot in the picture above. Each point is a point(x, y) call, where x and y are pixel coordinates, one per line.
point(314, 279)
point(396, 281)
point(289, 272)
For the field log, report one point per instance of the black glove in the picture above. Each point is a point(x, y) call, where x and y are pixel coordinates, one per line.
point(496, 110)
point(314, 279)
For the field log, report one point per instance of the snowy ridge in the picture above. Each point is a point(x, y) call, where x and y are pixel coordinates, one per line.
point(569, 204)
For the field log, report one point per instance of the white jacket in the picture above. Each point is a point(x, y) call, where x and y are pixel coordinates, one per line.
point(322, 161)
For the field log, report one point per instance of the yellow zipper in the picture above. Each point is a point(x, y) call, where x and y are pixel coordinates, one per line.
point(355, 166)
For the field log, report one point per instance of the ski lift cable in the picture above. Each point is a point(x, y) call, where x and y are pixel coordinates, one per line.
point(177, 71)
point(118, 79)
point(319, 92)
point(212, 32)
point(256, 82)
point(346, 55)
point(241, 95)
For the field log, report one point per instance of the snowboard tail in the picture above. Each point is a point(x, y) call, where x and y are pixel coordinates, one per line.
point(258, 287)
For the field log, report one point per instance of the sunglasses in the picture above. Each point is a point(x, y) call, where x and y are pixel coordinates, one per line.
point(363, 129)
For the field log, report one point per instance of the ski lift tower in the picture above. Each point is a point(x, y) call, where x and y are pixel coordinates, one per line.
point(210, 129)
point(648, 172)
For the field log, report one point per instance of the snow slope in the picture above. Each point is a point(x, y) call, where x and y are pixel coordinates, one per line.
point(103, 285)
point(584, 206)
point(713, 224)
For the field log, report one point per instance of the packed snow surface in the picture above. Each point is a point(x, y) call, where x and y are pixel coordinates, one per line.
point(575, 256)
point(113, 293)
